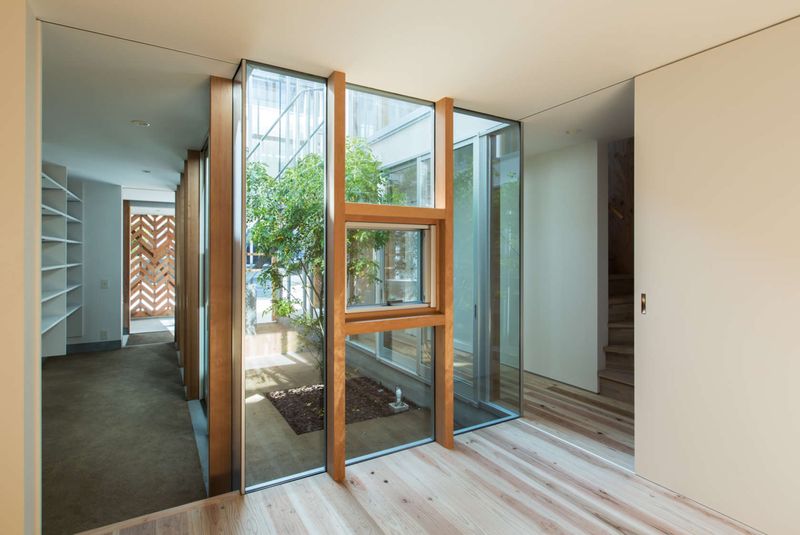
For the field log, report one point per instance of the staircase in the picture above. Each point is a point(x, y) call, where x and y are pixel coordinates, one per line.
point(616, 379)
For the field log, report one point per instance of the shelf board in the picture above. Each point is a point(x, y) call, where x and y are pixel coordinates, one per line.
point(61, 266)
point(49, 183)
point(52, 294)
point(54, 212)
point(53, 239)
point(48, 322)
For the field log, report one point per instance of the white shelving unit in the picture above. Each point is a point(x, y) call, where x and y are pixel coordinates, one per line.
point(62, 260)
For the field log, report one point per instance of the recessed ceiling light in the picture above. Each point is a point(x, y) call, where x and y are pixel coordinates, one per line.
point(146, 171)
point(139, 122)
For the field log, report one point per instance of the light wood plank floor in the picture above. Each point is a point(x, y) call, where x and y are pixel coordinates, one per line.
point(596, 423)
point(510, 478)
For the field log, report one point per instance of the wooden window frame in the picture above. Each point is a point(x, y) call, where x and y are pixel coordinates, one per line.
point(339, 322)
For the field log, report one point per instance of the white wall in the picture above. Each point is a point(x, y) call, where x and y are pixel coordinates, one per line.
point(565, 265)
point(102, 260)
point(19, 268)
point(147, 195)
point(718, 253)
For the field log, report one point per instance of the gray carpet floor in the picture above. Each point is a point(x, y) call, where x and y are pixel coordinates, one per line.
point(117, 438)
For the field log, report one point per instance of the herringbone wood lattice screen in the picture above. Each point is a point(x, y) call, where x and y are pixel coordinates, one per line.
point(152, 270)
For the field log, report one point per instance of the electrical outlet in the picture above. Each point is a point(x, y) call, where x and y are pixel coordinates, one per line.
point(103, 335)
point(104, 284)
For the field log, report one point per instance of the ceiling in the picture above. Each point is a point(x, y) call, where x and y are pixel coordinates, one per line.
point(605, 115)
point(94, 86)
point(517, 59)
point(510, 58)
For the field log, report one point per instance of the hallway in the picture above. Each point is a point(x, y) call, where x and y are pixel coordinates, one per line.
point(117, 439)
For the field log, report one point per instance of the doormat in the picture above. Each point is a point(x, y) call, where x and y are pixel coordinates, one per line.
point(302, 407)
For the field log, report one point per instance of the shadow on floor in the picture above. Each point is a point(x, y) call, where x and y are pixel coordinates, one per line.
point(117, 438)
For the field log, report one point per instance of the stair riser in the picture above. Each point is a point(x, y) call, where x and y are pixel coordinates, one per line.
point(616, 361)
point(616, 390)
point(620, 287)
point(620, 337)
point(620, 312)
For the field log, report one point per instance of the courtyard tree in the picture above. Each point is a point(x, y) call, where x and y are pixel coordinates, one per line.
point(285, 218)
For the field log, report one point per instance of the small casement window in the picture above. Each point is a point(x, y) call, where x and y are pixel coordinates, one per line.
point(390, 265)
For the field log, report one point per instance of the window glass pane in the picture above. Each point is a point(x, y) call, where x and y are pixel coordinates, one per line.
point(382, 369)
point(463, 261)
point(504, 254)
point(385, 267)
point(486, 269)
point(283, 348)
point(389, 148)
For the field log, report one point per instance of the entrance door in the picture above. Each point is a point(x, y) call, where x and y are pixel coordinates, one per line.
point(152, 266)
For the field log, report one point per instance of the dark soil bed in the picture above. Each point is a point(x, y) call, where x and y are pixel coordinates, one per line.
point(302, 408)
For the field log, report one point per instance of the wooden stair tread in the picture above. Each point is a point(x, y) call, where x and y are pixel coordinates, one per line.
point(624, 377)
point(620, 299)
point(620, 324)
point(622, 350)
point(620, 276)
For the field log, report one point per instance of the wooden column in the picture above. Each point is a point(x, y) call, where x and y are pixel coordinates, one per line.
point(126, 267)
point(443, 373)
point(180, 308)
point(220, 145)
point(191, 286)
point(336, 279)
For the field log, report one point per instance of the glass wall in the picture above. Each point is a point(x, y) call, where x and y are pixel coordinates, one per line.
point(389, 391)
point(389, 375)
point(283, 347)
point(486, 267)
point(389, 148)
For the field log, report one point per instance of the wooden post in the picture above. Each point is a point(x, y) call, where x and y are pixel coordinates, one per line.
point(191, 286)
point(179, 282)
point(443, 373)
point(336, 279)
point(126, 267)
point(220, 143)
